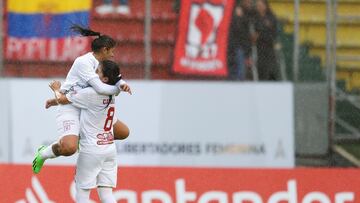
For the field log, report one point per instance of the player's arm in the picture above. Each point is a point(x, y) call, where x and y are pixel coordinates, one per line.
point(60, 98)
point(86, 73)
point(106, 89)
point(103, 88)
point(79, 99)
point(50, 103)
point(124, 86)
point(56, 101)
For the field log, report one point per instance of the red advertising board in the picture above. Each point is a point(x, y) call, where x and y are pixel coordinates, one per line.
point(181, 185)
point(201, 42)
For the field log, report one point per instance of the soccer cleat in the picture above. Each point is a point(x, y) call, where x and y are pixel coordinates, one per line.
point(38, 162)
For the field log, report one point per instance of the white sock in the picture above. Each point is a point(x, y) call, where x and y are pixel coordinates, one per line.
point(106, 195)
point(48, 152)
point(82, 195)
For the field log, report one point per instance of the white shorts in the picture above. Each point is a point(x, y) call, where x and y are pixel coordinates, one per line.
point(68, 120)
point(93, 170)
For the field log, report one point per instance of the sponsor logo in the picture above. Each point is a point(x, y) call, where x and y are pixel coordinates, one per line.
point(35, 193)
point(218, 149)
point(160, 148)
point(175, 148)
point(105, 138)
point(188, 185)
point(182, 195)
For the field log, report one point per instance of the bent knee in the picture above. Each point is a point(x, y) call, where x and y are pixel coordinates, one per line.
point(125, 133)
point(69, 150)
point(121, 132)
point(68, 145)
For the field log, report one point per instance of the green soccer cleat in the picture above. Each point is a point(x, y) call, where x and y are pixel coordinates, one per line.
point(38, 162)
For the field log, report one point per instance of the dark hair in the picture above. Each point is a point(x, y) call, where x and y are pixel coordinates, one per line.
point(111, 70)
point(99, 42)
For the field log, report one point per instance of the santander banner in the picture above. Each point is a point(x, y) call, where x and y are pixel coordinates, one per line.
point(202, 37)
point(188, 185)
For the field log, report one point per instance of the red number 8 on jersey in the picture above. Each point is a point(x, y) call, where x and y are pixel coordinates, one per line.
point(109, 119)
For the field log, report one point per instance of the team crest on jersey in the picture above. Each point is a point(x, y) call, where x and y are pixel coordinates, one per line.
point(67, 125)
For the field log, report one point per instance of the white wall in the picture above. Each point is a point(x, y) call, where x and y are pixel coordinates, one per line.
point(205, 124)
point(4, 121)
point(212, 124)
point(31, 124)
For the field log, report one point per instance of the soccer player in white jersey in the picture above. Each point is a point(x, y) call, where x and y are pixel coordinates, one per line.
point(96, 165)
point(81, 75)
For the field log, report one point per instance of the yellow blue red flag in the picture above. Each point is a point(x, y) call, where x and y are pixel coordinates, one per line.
point(40, 29)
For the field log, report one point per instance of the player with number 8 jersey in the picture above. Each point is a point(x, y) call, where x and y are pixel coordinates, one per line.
point(81, 75)
point(96, 164)
point(96, 134)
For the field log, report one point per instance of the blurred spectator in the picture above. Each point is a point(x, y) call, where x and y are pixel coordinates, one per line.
point(108, 8)
point(239, 50)
point(265, 36)
point(176, 6)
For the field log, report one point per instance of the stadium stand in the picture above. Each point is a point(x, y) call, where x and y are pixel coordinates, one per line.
point(130, 52)
point(129, 31)
point(313, 32)
point(312, 57)
point(131, 37)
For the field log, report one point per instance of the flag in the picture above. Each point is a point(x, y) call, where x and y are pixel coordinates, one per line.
point(202, 38)
point(40, 29)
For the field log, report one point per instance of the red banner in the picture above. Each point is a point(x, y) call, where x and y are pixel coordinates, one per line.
point(182, 185)
point(202, 37)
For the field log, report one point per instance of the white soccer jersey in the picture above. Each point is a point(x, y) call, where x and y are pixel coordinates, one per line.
point(82, 70)
point(96, 120)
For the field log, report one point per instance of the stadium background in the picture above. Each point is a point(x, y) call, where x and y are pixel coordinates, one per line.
point(196, 136)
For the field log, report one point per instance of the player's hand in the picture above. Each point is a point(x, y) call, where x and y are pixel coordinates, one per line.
point(55, 85)
point(126, 88)
point(50, 103)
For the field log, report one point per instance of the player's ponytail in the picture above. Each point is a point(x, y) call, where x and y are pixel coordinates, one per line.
point(84, 31)
point(99, 42)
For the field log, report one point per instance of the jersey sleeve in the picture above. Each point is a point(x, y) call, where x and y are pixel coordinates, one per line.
point(81, 98)
point(103, 88)
point(85, 70)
